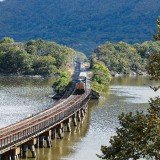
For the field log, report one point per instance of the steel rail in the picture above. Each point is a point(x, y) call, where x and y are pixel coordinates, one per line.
point(60, 102)
point(35, 125)
point(34, 118)
point(40, 125)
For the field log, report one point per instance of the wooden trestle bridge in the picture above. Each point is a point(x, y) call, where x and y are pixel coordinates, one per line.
point(31, 132)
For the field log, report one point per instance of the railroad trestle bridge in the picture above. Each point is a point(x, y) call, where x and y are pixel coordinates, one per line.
point(33, 131)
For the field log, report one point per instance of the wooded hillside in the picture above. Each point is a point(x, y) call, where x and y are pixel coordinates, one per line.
point(79, 24)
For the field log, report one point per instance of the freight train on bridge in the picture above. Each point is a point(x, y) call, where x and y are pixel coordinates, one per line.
point(31, 132)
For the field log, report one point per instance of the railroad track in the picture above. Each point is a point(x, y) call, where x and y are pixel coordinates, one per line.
point(41, 122)
point(37, 124)
point(67, 97)
point(40, 117)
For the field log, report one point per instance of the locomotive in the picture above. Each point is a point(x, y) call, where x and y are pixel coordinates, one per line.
point(81, 83)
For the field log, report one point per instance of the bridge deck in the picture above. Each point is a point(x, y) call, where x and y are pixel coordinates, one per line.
point(31, 127)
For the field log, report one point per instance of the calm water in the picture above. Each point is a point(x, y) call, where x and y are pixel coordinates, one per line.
point(21, 97)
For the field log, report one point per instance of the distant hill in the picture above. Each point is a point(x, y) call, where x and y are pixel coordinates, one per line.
point(81, 24)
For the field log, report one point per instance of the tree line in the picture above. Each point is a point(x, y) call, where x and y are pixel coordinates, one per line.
point(124, 58)
point(34, 57)
point(138, 135)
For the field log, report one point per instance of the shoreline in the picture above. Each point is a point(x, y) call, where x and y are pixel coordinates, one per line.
point(27, 76)
point(129, 74)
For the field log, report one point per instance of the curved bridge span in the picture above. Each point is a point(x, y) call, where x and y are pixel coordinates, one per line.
point(44, 126)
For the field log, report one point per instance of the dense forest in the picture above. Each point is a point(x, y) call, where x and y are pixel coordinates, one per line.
point(39, 57)
point(79, 24)
point(34, 57)
point(125, 58)
point(137, 136)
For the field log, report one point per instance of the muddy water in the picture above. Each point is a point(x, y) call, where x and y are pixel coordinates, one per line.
point(20, 97)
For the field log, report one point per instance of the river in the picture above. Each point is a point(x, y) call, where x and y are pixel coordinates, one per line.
point(21, 97)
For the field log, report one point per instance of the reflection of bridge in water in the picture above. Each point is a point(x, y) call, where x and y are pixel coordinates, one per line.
point(39, 129)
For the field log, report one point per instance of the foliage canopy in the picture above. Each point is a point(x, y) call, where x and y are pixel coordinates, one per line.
point(126, 58)
point(101, 76)
point(37, 57)
point(139, 134)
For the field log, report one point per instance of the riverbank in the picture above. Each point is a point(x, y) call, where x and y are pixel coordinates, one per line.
point(20, 98)
point(113, 74)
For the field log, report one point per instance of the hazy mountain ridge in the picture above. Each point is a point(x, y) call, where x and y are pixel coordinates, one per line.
point(79, 24)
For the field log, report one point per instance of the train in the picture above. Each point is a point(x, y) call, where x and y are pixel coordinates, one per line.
point(81, 83)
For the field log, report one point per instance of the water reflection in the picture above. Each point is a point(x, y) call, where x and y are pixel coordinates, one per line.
point(134, 89)
point(62, 149)
point(22, 96)
point(133, 81)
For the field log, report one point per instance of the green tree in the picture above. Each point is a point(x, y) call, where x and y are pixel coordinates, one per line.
point(25, 63)
point(62, 82)
point(139, 134)
point(101, 76)
point(44, 65)
point(137, 137)
point(7, 40)
point(125, 58)
point(13, 60)
point(154, 61)
point(34, 57)
point(157, 35)
point(154, 66)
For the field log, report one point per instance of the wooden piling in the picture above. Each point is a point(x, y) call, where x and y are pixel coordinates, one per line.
point(78, 116)
point(32, 149)
point(67, 123)
point(41, 141)
point(37, 142)
point(82, 112)
point(74, 120)
point(24, 150)
point(53, 134)
point(60, 133)
point(68, 127)
point(60, 130)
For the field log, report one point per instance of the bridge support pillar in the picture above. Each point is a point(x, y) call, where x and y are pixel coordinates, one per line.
point(48, 138)
point(74, 120)
point(48, 141)
point(45, 136)
point(79, 116)
point(29, 145)
point(86, 108)
point(4, 157)
point(82, 112)
point(41, 141)
point(53, 134)
point(37, 142)
point(60, 133)
point(60, 130)
point(11, 155)
point(14, 157)
point(32, 149)
point(68, 125)
point(24, 150)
